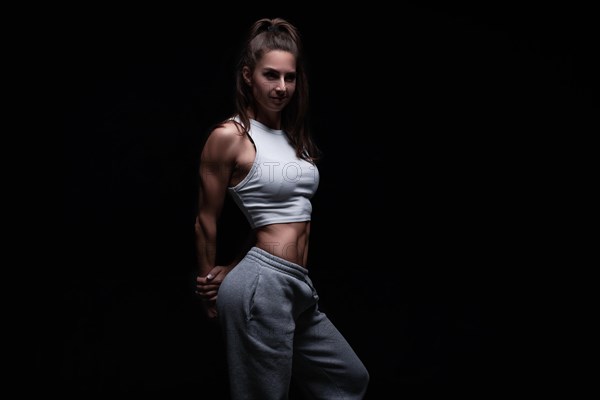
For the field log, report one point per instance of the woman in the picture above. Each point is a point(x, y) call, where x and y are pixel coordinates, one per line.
point(267, 306)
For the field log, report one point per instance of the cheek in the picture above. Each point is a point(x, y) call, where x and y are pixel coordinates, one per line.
point(257, 90)
point(262, 88)
point(291, 89)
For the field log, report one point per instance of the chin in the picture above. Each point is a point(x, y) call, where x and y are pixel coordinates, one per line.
point(278, 108)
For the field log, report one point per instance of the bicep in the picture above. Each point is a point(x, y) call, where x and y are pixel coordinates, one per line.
point(213, 188)
point(216, 166)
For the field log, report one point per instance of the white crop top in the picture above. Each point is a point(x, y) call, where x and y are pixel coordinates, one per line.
point(279, 186)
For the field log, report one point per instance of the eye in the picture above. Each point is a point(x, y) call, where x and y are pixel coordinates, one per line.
point(271, 75)
point(290, 78)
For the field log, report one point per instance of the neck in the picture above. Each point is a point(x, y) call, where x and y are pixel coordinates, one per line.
point(272, 120)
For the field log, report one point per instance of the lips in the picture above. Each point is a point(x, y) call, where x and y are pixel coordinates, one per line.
point(279, 101)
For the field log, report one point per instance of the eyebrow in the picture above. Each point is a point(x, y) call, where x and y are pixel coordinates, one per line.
point(269, 69)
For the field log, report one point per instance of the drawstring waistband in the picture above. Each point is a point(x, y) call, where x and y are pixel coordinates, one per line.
point(278, 262)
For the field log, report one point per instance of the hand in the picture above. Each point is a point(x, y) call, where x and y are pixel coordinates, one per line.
point(210, 309)
point(207, 288)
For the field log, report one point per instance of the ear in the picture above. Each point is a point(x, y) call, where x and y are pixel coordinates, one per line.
point(247, 75)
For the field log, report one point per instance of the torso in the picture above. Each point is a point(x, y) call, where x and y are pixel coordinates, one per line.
point(288, 240)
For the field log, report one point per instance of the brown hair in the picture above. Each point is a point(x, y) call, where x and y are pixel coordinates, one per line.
point(277, 34)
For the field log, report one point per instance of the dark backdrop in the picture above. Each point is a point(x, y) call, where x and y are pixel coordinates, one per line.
point(428, 118)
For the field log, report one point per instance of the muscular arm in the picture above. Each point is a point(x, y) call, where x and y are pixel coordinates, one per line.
point(217, 162)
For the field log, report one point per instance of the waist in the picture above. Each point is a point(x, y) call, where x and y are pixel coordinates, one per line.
point(276, 262)
point(288, 241)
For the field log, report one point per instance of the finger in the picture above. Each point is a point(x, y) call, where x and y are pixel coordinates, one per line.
point(210, 295)
point(212, 315)
point(212, 311)
point(204, 279)
point(203, 288)
point(214, 272)
point(211, 286)
point(208, 277)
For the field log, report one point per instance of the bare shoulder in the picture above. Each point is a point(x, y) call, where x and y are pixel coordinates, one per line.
point(223, 140)
point(226, 133)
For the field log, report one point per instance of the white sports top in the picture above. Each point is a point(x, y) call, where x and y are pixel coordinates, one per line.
point(279, 186)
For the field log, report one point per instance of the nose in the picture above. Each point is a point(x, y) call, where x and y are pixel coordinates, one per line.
point(281, 87)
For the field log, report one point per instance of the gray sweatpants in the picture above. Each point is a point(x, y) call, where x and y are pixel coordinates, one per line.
point(268, 310)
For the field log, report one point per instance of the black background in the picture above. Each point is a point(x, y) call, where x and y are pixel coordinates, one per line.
point(434, 122)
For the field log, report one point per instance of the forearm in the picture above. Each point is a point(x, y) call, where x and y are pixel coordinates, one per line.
point(206, 244)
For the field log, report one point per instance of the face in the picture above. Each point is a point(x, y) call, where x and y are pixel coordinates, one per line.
point(273, 80)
